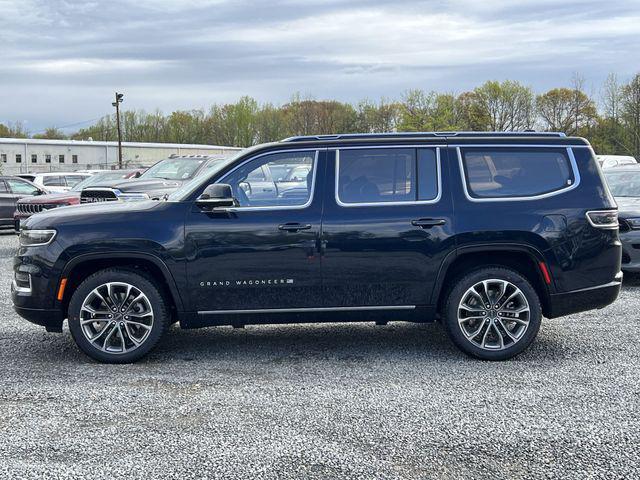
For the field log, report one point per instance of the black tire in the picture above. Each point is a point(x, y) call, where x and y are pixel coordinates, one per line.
point(140, 281)
point(455, 330)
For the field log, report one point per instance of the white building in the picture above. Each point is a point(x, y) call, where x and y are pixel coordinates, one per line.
point(21, 155)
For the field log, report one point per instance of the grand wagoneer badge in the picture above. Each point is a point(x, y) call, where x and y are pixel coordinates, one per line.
point(248, 283)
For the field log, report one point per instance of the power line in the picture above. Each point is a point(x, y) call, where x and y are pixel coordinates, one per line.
point(71, 124)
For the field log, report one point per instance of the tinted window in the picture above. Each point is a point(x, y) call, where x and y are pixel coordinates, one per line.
point(18, 186)
point(509, 172)
point(387, 175)
point(253, 188)
point(427, 174)
point(53, 181)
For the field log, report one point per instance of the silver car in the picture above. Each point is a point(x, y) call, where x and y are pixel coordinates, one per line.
point(624, 183)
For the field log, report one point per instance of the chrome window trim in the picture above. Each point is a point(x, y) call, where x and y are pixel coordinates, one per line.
point(516, 145)
point(389, 204)
point(278, 207)
point(463, 176)
point(309, 309)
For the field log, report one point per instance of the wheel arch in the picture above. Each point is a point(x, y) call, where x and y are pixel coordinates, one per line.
point(80, 267)
point(524, 259)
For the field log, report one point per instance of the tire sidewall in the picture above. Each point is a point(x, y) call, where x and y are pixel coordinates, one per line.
point(455, 296)
point(132, 278)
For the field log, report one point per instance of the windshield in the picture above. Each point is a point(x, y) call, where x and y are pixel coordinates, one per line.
point(212, 167)
point(98, 178)
point(174, 169)
point(624, 184)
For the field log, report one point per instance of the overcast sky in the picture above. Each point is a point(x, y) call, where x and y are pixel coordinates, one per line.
point(61, 61)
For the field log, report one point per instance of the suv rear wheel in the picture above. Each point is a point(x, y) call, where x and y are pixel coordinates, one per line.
point(493, 313)
point(117, 315)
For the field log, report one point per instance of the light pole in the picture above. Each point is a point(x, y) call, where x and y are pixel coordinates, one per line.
point(116, 104)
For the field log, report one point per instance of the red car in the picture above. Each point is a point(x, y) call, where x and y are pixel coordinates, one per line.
point(27, 206)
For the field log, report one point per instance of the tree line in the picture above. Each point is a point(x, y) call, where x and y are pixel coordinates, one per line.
point(610, 119)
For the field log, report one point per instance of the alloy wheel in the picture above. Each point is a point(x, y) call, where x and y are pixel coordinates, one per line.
point(116, 317)
point(493, 314)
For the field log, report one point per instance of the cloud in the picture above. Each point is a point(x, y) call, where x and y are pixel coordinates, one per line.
point(62, 59)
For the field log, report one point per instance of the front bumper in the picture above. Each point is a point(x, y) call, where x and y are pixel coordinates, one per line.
point(600, 296)
point(51, 320)
point(630, 251)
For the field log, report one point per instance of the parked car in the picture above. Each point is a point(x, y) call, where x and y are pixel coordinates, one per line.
point(12, 189)
point(158, 181)
point(55, 182)
point(611, 161)
point(27, 206)
point(624, 183)
point(471, 229)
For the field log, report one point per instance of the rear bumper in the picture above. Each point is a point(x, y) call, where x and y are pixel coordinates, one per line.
point(600, 296)
point(51, 320)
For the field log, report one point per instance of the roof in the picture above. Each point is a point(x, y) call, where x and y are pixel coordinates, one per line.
point(396, 135)
point(91, 143)
point(629, 167)
point(436, 138)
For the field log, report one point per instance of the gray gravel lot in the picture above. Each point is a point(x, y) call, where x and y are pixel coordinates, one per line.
point(324, 401)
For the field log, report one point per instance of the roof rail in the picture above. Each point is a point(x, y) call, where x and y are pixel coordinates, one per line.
point(364, 136)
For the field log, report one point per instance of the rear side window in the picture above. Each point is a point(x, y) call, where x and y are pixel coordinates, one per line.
point(516, 172)
point(53, 181)
point(73, 180)
point(387, 175)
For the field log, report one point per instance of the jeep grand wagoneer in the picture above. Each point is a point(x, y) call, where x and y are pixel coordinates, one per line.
point(483, 232)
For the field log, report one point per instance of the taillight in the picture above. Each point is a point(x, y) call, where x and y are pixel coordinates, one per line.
point(603, 218)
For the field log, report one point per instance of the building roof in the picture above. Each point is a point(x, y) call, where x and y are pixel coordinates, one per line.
point(91, 143)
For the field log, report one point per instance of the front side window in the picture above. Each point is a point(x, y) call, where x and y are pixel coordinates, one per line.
point(516, 172)
point(387, 175)
point(254, 184)
point(20, 187)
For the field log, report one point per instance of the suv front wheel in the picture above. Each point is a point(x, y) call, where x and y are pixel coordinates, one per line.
point(117, 315)
point(493, 313)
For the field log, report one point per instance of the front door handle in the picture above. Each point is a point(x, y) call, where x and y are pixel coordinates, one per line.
point(428, 222)
point(294, 227)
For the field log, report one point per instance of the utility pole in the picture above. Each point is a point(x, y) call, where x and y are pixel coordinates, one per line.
point(116, 104)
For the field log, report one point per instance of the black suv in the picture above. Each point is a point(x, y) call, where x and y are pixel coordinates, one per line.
point(484, 232)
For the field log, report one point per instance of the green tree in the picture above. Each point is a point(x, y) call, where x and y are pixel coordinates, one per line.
point(630, 114)
point(566, 110)
point(51, 133)
point(508, 106)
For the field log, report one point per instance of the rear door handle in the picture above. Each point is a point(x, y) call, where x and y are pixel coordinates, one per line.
point(428, 222)
point(294, 227)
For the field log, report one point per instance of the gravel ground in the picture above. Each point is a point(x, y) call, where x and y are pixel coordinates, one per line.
point(324, 401)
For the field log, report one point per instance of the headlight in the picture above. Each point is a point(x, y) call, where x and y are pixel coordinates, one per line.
point(634, 223)
point(132, 197)
point(32, 238)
